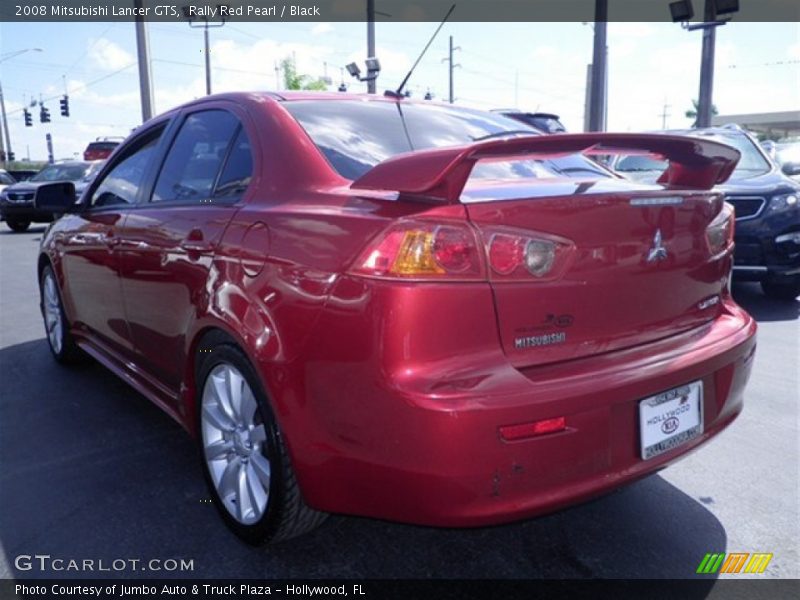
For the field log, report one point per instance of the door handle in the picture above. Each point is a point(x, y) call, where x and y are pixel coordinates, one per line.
point(197, 246)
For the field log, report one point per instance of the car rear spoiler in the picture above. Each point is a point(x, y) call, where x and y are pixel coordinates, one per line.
point(440, 174)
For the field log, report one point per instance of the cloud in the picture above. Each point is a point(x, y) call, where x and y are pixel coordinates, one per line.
point(321, 28)
point(107, 55)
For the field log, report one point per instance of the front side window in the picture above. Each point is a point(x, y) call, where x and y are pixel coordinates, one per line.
point(121, 183)
point(194, 160)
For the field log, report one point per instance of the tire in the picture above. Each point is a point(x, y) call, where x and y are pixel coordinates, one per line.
point(245, 462)
point(59, 339)
point(18, 226)
point(781, 291)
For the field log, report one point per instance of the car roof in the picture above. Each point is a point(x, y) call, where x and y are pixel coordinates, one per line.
point(288, 96)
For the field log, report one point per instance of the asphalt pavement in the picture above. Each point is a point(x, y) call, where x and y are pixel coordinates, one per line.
point(89, 469)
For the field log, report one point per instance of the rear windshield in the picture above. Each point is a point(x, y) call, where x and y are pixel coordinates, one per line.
point(636, 163)
point(102, 145)
point(752, 162)
point(64, 172)
point(356, 135)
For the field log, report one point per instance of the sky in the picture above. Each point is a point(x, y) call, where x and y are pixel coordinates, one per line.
point(531, 66)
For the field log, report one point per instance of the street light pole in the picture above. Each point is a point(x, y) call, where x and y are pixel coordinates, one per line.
point(188, 12)
point(145, 76)
point(5, 148)
point(5, 121)
point(704, 100)
point(597, 104)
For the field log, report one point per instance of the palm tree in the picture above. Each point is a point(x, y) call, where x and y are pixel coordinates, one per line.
point(692, 113)
point(294, 81)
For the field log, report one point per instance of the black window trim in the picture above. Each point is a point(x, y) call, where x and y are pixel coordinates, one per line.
point(159, 130)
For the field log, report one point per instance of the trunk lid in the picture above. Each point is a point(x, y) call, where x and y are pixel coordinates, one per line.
point(609, 295)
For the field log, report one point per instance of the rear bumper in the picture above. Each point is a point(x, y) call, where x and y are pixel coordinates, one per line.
point(425, 448)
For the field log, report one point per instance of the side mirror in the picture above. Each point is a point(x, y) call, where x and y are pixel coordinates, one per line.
point(791, 168)
point(58, 197)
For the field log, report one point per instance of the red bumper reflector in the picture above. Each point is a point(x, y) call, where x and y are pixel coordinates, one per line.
point(527, 430)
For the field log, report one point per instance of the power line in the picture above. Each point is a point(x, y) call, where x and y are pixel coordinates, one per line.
point(81, 86)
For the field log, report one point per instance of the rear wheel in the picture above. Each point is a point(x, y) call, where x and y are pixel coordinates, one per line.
point(245, 461)
point(17, 225)
point(59, 338)
point(781, 291)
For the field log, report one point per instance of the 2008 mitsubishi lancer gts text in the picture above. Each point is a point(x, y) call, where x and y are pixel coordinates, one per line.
point(404, 310)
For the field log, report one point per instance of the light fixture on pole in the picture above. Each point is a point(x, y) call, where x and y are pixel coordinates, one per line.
point(373, 69)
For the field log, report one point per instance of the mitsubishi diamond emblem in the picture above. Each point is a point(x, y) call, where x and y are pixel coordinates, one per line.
point(657, 252)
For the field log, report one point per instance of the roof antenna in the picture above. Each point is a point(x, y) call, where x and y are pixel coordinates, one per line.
point(398, 93)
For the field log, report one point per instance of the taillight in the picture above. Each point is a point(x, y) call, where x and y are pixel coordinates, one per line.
point(420, 250)
point(720, 231)
point(521, 255)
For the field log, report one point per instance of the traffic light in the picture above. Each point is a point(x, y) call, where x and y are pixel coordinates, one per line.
point(64, 102)
point(11, 157)
point(28, 117)
point(44, 114)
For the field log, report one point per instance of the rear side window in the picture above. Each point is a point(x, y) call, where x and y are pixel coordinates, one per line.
point(196, 156)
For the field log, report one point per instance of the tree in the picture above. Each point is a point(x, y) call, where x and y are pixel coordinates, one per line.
point(692, 112)
point(292, 80)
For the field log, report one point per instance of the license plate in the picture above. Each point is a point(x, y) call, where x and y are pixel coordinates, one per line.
point(670, 419)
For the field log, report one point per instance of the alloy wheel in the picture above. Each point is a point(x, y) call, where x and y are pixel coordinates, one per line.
point(234, 444)
point(52, 313)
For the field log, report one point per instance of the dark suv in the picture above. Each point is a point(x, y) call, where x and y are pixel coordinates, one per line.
point(17, 205)
point(767, 206)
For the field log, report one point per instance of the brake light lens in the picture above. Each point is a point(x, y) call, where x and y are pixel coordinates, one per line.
point(517, 255)
point(420, 250)
point(511, 433)
point(719, 233)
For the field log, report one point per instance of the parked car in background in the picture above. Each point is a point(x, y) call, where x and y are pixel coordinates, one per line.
point(17, 201)
point(787, 155)
point(22, 174)
point(767, 206)
point(544, 122)
point(101, 148)
point(418, 314)
point(637, 167)
point(6, 179)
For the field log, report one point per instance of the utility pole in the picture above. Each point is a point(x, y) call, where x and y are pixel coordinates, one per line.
point(597, 106)
point(371, 86)
point(664, 115)
point(707, 65)
point(451, 66)
point(143, 51)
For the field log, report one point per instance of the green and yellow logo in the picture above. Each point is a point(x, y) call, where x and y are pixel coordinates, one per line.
point(735, 562)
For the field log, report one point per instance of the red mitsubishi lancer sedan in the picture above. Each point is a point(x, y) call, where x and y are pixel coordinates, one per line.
point(403, 310)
